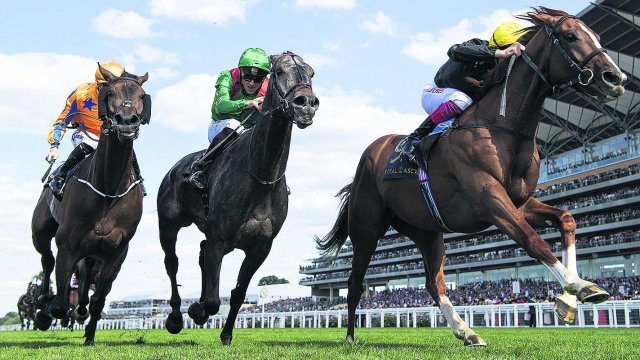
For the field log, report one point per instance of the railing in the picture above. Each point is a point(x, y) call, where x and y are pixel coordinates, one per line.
point(610, 314)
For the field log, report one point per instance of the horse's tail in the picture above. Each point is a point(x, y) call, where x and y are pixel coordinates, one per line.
point(331, 243)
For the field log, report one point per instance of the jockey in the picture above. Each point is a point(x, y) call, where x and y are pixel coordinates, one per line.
point(81, 109)
point(239, 91)
point(460, 79)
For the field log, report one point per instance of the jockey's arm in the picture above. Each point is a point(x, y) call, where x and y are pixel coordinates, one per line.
point(222, 102)
point(59, 127)
point(474, 50)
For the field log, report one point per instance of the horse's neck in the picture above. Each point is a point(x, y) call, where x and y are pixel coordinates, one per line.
point(269, 146)
point(525, 93)
point(111, 165)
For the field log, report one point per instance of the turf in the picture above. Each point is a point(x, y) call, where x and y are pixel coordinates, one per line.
point(389, 343)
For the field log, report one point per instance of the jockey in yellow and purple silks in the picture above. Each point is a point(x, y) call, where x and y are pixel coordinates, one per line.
point(239, 91)
point(459, 80)
point(81, 108)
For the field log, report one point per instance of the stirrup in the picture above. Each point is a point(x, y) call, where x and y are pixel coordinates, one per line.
point(57, 185)
point(197, 179)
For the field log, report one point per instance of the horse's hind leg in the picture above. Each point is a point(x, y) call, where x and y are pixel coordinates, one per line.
point(168, 239)
point(431, 246)
point(43, 228)
point(252, 261)
point(539, 214)
point(367, 224)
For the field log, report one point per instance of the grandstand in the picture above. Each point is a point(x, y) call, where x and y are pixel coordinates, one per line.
point(590, 165)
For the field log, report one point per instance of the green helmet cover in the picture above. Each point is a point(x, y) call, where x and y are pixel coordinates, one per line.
point(254, 57)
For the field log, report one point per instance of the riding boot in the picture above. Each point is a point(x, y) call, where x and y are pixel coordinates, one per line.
point(418, 134)
point(136, 170)
point(197, 167)
point(78, 153)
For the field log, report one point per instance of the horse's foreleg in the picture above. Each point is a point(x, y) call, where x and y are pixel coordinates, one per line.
point(213, 254)
point(196, 310)
point(85, 271)
point(539, 214)
point(252, 261)
point(64, 269)
point(513, 223)
point(108, 274)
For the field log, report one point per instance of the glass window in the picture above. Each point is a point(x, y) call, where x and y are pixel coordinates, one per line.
point(472, 276)
point(499, 274)
point(608, 267)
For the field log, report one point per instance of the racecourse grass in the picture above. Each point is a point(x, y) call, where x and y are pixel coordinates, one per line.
point(389, 343)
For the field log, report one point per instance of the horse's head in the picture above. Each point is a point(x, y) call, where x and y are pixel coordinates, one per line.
point(121, 104)
point(290, 89)
point(578, 58)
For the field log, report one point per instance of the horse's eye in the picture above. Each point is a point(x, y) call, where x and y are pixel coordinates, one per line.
point(570, 37)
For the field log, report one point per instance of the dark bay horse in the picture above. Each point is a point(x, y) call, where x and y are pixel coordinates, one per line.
point(246, 196)
point(27, 305)
point(100, 211)
point(483, 172)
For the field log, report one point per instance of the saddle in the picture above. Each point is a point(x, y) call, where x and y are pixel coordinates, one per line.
point(401, 164)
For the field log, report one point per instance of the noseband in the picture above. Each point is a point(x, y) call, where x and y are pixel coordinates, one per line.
point(585, 76)
point(285, 106)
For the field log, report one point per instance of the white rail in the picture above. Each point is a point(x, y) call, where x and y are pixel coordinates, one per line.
point(610, 314)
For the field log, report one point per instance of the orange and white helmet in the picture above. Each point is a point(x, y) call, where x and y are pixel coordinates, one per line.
point(113, 67)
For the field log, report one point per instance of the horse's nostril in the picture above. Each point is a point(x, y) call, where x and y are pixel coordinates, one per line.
point(300, 101)
point(611, 77)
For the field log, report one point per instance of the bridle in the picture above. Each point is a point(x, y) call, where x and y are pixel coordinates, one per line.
point(284, 105)
point(585, 76)
point(109, 125)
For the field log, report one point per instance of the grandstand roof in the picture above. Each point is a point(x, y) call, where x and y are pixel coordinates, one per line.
point(570, 119)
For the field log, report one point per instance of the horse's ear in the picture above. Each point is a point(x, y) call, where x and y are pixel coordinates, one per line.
point(273, 58)
point(106, 74)
point(143, 78)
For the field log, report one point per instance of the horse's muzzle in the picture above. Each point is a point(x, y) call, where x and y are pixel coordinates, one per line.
point(304, 109)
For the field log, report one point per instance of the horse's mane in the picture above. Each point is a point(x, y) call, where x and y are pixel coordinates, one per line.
point(498, 73)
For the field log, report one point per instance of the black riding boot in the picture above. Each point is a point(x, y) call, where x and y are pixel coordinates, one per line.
point(78, 153)
point(136, 170)
point(418, 134)
point(197, 168)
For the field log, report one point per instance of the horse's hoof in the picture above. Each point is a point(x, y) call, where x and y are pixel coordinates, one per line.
point(197, 313)
point(226, 339)
point(474, 340)
point(173, 324)
point(42, 321)
point(89, 343)
point(349, 339)
point(593, 294)
point(44, 300)
point(565, 312)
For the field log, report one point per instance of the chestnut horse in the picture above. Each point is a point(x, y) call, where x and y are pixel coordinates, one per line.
point(483, 172)
point(246, 196)
point(100, 211)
